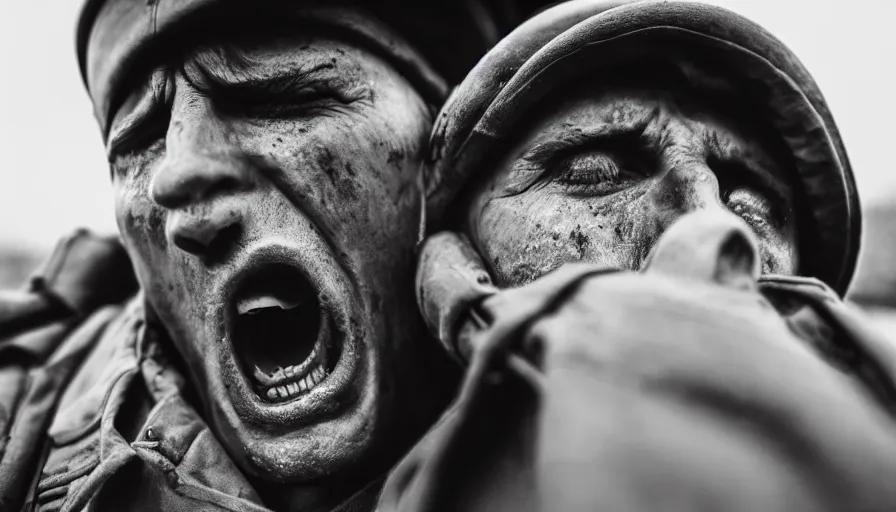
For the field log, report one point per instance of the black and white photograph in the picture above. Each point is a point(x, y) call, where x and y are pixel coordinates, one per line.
point(448, 256)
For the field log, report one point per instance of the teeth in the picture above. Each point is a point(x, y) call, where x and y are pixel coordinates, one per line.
point(253, 305)
point(291, 389)
point(262, 377)
point(309, 378)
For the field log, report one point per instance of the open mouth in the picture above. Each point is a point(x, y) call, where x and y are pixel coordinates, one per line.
point(281, 334)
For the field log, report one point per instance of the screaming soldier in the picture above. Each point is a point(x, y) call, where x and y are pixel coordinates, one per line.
point(264, 161)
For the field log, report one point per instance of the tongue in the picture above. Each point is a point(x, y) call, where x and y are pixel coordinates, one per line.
point(256, 303)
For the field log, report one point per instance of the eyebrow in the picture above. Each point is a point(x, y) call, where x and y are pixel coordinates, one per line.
point(224, 78)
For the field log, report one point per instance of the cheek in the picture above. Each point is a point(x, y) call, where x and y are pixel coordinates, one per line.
point(357, 171)
point(526, 236)
point(141, 222)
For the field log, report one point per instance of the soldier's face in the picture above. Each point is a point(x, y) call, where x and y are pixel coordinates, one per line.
point(266, 193)
point(598, 177)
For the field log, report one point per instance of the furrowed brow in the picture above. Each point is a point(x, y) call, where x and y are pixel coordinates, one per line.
point(220, 77)
point(606, 134)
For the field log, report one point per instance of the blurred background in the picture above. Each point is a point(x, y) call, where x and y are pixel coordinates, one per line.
point(54, 175)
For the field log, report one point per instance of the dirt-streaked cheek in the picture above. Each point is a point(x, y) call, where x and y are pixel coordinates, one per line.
point(528, 235)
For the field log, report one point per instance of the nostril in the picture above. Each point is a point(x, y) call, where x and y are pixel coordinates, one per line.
point(211, 248)
point(207, 232)
point(223, 243)
point(190, 245)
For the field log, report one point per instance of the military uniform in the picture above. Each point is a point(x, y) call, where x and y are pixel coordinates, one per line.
point(94, 412)
point(97, 414)
point(597, 389)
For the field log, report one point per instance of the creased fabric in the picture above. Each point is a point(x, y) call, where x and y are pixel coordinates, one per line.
point(592, 389)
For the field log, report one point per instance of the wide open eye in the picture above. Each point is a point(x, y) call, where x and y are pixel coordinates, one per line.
point(597, 173)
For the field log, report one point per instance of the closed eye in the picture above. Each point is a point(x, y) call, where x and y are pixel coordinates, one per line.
point(597, 173)
point(145, 121)
point(281, 106)
point(144, 132)
point(603, 166)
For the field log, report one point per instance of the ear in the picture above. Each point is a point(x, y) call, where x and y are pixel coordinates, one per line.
point(710, 246)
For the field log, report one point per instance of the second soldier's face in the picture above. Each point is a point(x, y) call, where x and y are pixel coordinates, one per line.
point(601, 175)
point(265, 191)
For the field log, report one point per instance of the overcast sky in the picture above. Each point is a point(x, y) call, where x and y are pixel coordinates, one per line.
point(54, 176)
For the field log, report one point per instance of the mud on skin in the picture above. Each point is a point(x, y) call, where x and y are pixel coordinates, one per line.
point(280, 184)
point(600, 175)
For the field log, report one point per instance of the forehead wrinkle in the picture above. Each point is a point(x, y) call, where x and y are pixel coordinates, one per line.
point(629, 110)
point(220, 66)
point(227, 66)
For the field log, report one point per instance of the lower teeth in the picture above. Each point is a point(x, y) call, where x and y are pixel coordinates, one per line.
point(309, 381)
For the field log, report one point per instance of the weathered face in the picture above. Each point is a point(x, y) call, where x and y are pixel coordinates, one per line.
point(599, 176)
point(266, 193)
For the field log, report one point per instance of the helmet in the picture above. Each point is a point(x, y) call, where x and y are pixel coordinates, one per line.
point(419, 40)
point(574, 38)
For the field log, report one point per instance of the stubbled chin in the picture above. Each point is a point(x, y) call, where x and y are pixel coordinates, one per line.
point(335, 445)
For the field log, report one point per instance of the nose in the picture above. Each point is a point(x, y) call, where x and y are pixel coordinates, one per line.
point(200, 182)
point(687, 187)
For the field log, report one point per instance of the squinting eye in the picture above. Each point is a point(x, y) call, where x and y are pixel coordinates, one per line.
point(594, 173)
point(756, 209)
point(298, 105)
